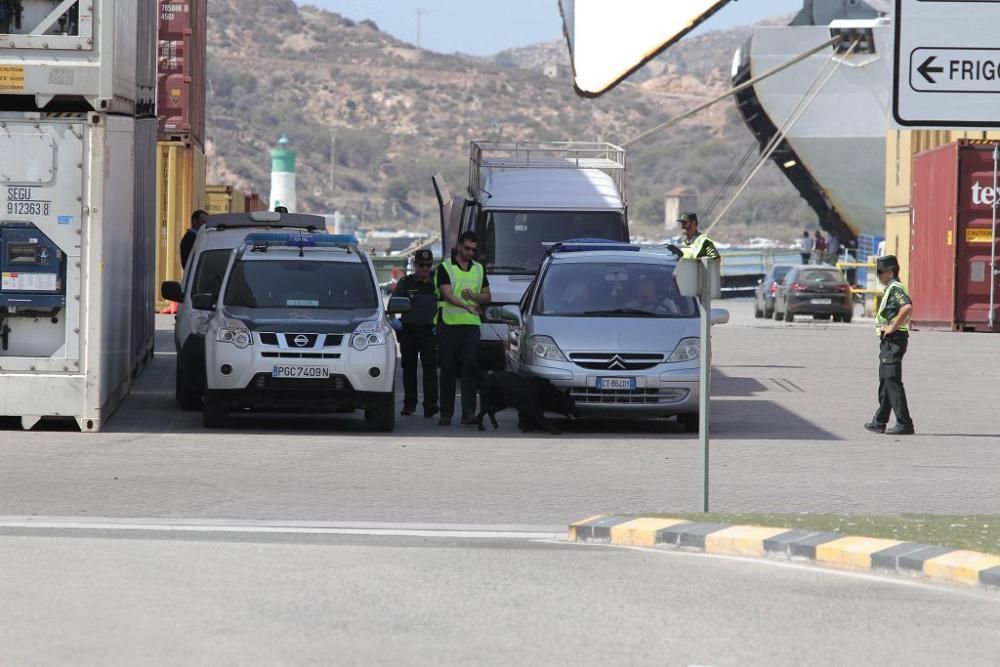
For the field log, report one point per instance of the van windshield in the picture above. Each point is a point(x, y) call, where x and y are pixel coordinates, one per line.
point(515, 241)
point(574, 289)
point(300, 284)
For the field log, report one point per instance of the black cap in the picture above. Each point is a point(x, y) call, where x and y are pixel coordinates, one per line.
point(887, 263)
point(423, 256)
point(688, 217)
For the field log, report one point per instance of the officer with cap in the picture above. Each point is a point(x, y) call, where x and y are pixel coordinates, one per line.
point(416, 338)
point(891, 326)
point(696, 244)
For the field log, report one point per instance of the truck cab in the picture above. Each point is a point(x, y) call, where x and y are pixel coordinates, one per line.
point(523, 197)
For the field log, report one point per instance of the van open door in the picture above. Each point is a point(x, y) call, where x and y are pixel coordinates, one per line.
point(452, 209)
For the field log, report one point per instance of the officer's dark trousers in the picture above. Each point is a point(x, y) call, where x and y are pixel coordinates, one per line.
point(891, 395)
point(458, 347)
point(419, 341)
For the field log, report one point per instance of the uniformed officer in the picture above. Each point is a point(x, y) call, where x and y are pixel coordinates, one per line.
point(462, 290)
point(891, 326)
point(695, 245)
point(416, 337)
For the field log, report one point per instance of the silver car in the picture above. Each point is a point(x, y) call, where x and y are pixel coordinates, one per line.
point(606, 321)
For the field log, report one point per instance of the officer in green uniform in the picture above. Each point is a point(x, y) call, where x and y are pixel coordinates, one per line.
point(416, 335)
point(462, 289)
point(891, 326)
point(695, 245)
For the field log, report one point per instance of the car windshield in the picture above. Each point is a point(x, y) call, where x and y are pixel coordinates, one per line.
point(515, 241)
point(210, 271)
point(290, 283)
point(606, 289)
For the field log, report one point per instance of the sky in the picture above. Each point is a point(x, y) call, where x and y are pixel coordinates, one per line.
point(447, 26)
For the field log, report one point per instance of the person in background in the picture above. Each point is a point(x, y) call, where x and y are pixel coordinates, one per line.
point(832, 250)
point(462, 289)
point(891, 322)
point(416, 337)
point(806, 247)
point(695, 244)
point(198, 219)
point(819, 248)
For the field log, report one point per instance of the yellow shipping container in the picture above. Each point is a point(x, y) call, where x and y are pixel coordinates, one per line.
point(225, 199)
point(180, 190)
point(897, 241)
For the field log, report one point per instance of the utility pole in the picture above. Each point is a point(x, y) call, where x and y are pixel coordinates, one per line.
point(420, 14)
point(333, 159)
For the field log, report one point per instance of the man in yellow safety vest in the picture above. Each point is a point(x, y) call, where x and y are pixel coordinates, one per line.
point(462, 289)
point(891, 326)
point(696, 245)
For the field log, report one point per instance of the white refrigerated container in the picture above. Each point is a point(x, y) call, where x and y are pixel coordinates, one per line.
point(76, 261)
point(100, 51)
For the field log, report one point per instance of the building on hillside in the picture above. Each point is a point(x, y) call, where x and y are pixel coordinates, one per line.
point(675, 202)
point(555, 70)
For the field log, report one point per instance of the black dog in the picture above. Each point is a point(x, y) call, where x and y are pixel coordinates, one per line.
point(530, 396)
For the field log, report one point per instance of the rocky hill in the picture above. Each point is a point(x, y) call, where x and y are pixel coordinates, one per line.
point(400, 113)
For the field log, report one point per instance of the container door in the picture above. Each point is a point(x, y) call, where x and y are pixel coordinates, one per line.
point(976, 199)
point(933, 236)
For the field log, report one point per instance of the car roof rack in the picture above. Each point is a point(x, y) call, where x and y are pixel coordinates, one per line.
point(311, 223)
point(581, 245)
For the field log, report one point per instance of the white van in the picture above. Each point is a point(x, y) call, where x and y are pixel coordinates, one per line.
point(203, 275)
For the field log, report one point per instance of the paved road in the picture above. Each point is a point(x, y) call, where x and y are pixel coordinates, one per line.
point(789, 403)
point(85, 597)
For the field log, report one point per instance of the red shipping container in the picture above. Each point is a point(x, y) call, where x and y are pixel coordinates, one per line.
point(254, 202)
point(951, 229)
point(181, 74)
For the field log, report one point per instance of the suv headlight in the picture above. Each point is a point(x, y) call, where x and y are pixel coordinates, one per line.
point(687, 350)
point(368, 334)
point(544, 347)
point(235, 332)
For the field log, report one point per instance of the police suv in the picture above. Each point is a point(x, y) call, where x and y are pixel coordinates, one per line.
point(299, 325)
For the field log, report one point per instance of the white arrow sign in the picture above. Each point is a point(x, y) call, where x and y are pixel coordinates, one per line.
point(947, 67)
point(608, 40)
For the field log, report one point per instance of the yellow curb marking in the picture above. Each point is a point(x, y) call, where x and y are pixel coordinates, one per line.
point(852, 551)
point(961, 566)
point(641, 532)
point(576, 524)
point(740, 540)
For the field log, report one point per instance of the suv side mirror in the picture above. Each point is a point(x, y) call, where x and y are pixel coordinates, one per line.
point(171, 291)
point(203, 301)
point(398, 304)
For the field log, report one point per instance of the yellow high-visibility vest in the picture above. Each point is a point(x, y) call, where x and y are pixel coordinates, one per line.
point(460, 280)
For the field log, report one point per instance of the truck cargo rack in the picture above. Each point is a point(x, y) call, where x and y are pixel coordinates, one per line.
point(499, 155)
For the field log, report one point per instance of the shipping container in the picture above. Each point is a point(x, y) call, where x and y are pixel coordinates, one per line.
point(181, 70)
point(144, 245)
point(180, 190)
point(950, 236)
point(897, 241)
point(254, 202)
point(70, 274)
point(61, 56)
point(224, 199)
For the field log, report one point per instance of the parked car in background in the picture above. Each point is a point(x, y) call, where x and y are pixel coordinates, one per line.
point(763, 299)
point(817, 290)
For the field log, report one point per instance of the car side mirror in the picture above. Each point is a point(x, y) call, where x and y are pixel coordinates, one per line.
point(509, 314)
point(397, 305)
point(203, 301)
point(171, 291)
point(719, 316)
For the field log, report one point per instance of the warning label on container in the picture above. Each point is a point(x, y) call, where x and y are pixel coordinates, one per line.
point(11, 78)
point(978, 235)
point(30, 282)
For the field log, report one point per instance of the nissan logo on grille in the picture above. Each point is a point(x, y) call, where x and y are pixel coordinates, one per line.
point(616, 362)
point(301, 340)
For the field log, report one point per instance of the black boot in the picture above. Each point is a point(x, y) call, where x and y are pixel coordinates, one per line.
point(901, 429)
point(875, 427)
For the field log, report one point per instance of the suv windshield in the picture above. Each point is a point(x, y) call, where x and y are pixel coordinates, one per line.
point(289, 283)
point(612, 290)
point(514, 241)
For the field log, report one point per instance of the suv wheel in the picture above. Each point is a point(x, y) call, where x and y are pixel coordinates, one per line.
point(214, 413)
point(382, 418)
point(186, 388)
point(689, 422)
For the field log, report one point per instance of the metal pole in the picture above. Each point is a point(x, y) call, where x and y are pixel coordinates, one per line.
point(333, 158)
point(704, 374)
point(993, 239)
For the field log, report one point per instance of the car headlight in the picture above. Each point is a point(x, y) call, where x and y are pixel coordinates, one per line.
point(368, 334)
point(235, 332)
point(687, 350)
point(199, 324)
point(544, 347)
